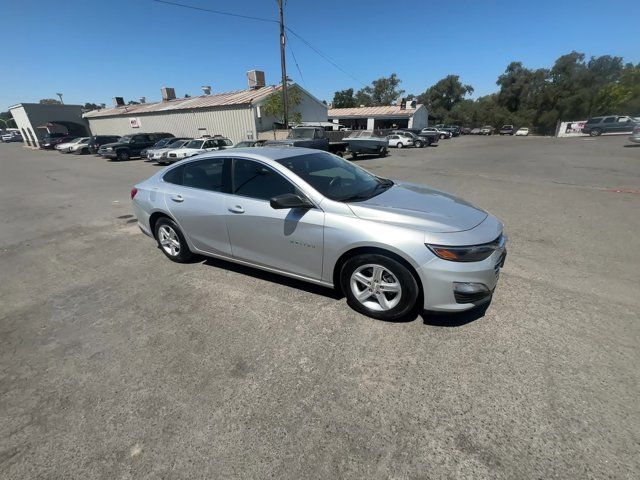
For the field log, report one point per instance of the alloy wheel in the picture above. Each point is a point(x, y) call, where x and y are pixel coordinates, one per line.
point(169, 240)
point(376, 287)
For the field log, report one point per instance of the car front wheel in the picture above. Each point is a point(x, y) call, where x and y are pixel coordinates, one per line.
point(171, 241)
point(399, 145)
point(419, 144)
point(379, 287)
point(123, 155)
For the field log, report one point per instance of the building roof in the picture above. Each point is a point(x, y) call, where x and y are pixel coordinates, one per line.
point(369, 112)
point(238, 97)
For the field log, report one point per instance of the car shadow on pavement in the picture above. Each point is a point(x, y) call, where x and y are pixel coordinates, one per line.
point(440, 319)
point(273, 277)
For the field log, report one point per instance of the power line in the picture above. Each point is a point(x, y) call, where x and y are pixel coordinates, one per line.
point(323, 55)
point(268, 20)
point(296, 62)
point(219, 12)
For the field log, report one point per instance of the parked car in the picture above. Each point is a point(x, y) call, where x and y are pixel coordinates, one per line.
point(97, 141)
point(197, 146)
point(453, 129)
point(399, 141)
point(50, 140)
point(613, 124)
point(522, 132)
point(635, 137)
point(162, 145)
point(507, 130)
point(66, 146)
point(130, 146)
point(475, 131)
point(392, 248)
point(81, 147)
point(255, 143)
point(442, 134)
point(12, 137)
point(428, 138)
point(487, 130)
point(310, 136)
point(418, 141)
point(465, 131)
point(161, 155)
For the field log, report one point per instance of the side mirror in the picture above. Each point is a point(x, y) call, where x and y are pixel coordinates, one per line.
point(289, 200)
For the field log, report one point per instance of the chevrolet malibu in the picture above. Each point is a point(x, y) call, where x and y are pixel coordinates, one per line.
point(390, 247)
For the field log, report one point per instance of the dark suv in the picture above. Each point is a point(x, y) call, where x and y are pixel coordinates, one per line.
point(131, 146)
point(613, 124)
point(507, 130)
point(97, 141)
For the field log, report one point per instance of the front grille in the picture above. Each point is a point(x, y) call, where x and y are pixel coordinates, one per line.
point(471, 297)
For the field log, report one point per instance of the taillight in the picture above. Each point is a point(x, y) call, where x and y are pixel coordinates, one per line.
point(134, 191)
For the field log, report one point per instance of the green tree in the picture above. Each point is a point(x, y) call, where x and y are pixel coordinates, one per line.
point(444, 95)
point(344, 99)
point(274, 106)
point(383, 91)
point(49, 101)
point(91, 106)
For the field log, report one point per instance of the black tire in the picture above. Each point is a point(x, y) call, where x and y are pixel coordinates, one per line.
point(354, 155)
point(184, 254)
point(399, 145)
point(419, 144)
point(442, 136)
point(407, 304)
point(596, 132)
point(383, 152)
point(123, 155)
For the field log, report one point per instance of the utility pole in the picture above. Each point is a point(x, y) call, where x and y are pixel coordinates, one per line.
point(283, 66)
point(60, 95)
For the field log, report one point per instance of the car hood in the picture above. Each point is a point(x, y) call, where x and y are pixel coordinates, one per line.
point(412, 205)
point(113, 145)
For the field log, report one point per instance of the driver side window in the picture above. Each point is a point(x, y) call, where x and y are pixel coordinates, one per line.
point(255, 180)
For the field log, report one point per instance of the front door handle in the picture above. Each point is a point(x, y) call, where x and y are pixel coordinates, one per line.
point(236, 209)
point(177, 198)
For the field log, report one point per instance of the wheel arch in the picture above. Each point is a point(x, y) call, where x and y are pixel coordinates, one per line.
point(352, 252)
point(154, 217)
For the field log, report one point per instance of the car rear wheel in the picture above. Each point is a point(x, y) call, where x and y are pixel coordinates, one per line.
point(123, 155)
point(596, 132)
point(171, 241)
point(419, 144)
point(379, 287)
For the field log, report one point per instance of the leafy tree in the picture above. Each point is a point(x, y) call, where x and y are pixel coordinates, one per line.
point(50, 101)
point(344, 99)
point(383, 91)
point(444, 95)
point(274, 106)
point(91, 106)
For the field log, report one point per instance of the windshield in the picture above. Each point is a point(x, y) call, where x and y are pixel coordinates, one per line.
point(244, 144)
point(301, 133)
point(125, 139)
point(178, 144)
point(336, 178)
point(162, 143)
point(194, 144)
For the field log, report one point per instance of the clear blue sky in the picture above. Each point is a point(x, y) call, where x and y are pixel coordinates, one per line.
point(95, 50)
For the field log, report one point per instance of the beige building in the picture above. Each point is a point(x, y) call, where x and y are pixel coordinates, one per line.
point(378, 118)
point(238, 115)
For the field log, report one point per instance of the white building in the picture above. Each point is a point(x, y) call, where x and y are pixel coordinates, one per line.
point(35, 120)
point(378, 118)
point(238, 115)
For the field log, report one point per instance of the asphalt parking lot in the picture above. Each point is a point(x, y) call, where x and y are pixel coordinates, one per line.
point(117, 363)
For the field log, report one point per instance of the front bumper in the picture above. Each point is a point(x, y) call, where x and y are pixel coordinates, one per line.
point(108, 154)
point(458, 286)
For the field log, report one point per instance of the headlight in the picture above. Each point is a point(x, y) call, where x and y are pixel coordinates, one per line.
point(108, 149)
point(470, 253)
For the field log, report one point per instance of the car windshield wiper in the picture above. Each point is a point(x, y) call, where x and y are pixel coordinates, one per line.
point(383, 186)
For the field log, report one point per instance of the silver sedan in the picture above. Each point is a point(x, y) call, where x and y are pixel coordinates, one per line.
point(390, 247)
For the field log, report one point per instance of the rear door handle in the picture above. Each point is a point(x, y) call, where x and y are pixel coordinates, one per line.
point(177, 198)
point(236, 209)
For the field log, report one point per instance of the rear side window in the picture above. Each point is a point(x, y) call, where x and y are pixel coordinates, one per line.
point(255, 180)
point(609, 120)
point(174, 175)
point(204, 174)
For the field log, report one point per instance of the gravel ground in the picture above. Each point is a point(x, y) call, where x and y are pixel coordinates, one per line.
point(117, 363)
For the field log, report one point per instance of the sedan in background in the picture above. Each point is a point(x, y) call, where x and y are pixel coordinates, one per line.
point(197, 146)
point(12, 137)
point(52, 139)
point(522, 132)
point(392, 248)
point(66, 146)
point(80, 147)
point(487, 130)
point(399, 141)
point(250, 143)
point(160, 154)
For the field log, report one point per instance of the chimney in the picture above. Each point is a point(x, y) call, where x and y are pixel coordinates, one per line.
point(143, 99)
point(206, 89)
point(168, 93)
point(255, 79)
point(118, 102)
